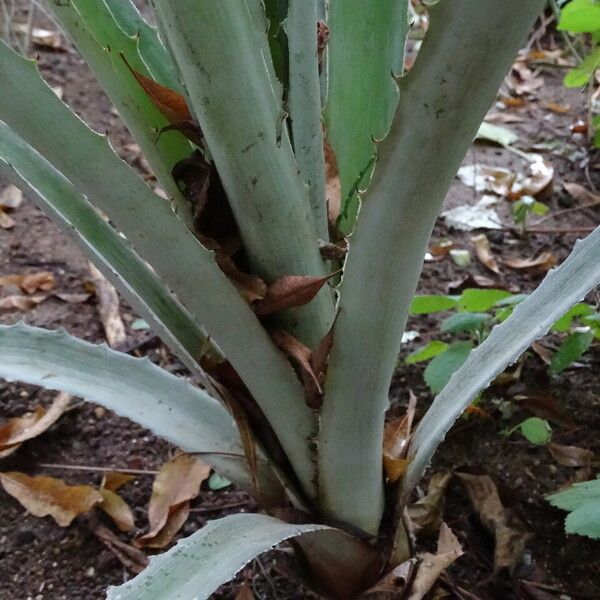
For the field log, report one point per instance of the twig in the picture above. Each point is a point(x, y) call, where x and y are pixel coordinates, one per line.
point(95, 469)
point(550, 588)
point(230, 506)
point(562, 230)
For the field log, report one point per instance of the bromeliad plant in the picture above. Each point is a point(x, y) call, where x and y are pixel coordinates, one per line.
point(295, 351)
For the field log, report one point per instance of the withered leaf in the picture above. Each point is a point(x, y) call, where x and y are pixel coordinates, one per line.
point(395, 583)
point(114, 480)
point(301, 357)
point(132, 558)
point(20, 429)
point(72, 298)
point(321, 355)
point(178, 515)
point(426, 513)
point(545, 406)
point(11, 197)
point(6, 222)
point(555, 107)
point(117, 509)
point(177, 481)
point(581, 194)
point(544, 262)
point(252, 287)
point(288, 292)
point(333, 186)
point(30, 282)
point(43, 496)
point(169, 102)
point(22, 303)
point(484, 254)
point(108, 308)
point(431, 566)
point(537, 183)
point(396, 435)
point(571, 456)
point(509, 534)
point(245, 592)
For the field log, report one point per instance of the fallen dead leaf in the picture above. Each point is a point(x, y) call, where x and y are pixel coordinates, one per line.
point(288, 292)
point(20, 429)
point(6, 222)
point(333, 186)
point(538, 182)
point(11, 197)
point(479, 281)
point(543, 263)
point(252, 287)
point(245, 592)
point(132, 558)
point(431, 566)
point(114, 480)
point(43, 38)
point(487, 179)
point(117, 509)
point(108, 308)
point(30, 282)
point(73, 298)
point(396, 435)
point(557, 108)
point(395, 583)
point(177, 482)
point(22, 303)
point(321, 355)
point(480, 216)
point(301, 358)
point(571, 456)
point(581, 194)
point(544, 353)
point(512, 102)
point(504, 117)
point(426, 513)
point(545, 406)
point(47, 496)
point(510, 536)
point(579, 126)
point(178, 515)
point(522, 80)
point(484, 254)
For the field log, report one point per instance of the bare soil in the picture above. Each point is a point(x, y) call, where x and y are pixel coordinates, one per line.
point(40, 560)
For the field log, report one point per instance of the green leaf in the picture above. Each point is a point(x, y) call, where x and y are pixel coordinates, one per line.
point(496, 133)
point(585, 521)
point(561, 288)
point(511, 300)
point(423, 305)
point(570, 350)
point(216, 482)
point(465, 321)
point(199, 564)
point(582, 74)
point(565, 322)
point(536, 430)
point(365, 50)
point(582, 501)
point(580, 16)
point(475, 300)
point(430, 350)
point(440, 369)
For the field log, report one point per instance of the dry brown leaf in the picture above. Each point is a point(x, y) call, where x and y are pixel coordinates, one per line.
point(479, 281)
point(20, 429)
point(108, 308)
point(117, 509)
point(288, 292)
point(394, 584)
point(72, 298)
point(11, 197)
point(522, 80)
point(22, 303)
point(178, 515)
point(132, 558)
point(484, 254)
point(6, 222)
point(431, 566)
point(581, 194)
point(43, 496)
point(543, 263)
point(114, 480)
point(544, 353)
point(30, 282)
point(170, 103)
point(252, 287)
point(557, 108)
point(509, 534)
point(321, 355)
point(485, 178)
point(177, 481)
point(504, 117)
point(333, 251)
point(396, 435)
point(538, 182)
point(301, 357)
point(426, 513)
point(579, 127)
point(333, 186)
point(571, 456)
point(545, 406)
point(46, 39)
point(510, 101)
point(245, 592)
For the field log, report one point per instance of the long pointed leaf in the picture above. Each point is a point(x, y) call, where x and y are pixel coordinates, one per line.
point(199, 564)
point(156, 234)
point(220, 51)
point(532, 318)
point(366, 46)
point(442, 101)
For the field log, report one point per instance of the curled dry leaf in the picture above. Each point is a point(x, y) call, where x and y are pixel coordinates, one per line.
point(108, 308)
point(510, 536)
point(559, 109)
point(117, 509)
point(114, 480)
point(6, 222)
point(544, 353)
point(178, 481)
point(479, 281)
point(396, 435)
point(288, 292)
point(484, 254)
point(132, 558)
point(333, 186)
point(538, 182)
point(47, 496)
point(252, 287)
point(321, 355)
point(543, 263)
point(20, 429)
point(301, 358)
point(546, 407)
point(22, 303)
point(178, 515)
point(571, 456)
point(333, 251)
point(43, 38)
point(522, 80)
point(431, 566)
point(395, 583)
point(426, 513)
point(11, 197)
point(485, 178)
point(30, 282)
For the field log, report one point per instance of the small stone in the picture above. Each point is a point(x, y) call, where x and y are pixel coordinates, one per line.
point(90, 572)
point(99, 412)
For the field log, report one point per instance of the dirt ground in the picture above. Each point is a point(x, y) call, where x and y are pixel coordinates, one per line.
point(39, 560)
